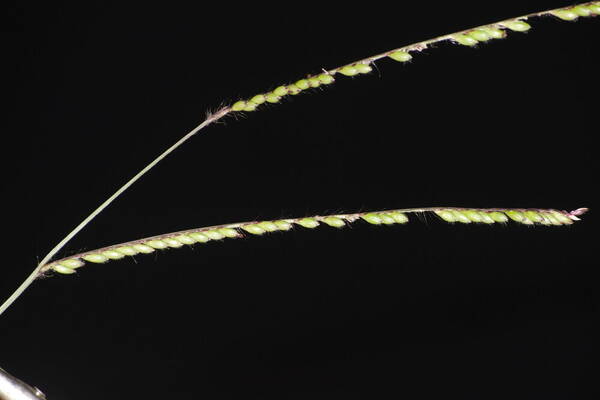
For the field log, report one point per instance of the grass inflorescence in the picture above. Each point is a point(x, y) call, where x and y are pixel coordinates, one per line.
point(548, 217)
point(468, 37)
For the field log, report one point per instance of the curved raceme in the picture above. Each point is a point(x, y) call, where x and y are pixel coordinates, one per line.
point(469, 37)
point(389, 217)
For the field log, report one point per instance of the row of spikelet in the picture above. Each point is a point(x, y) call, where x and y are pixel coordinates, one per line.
point(203, 235)
point(470, 37)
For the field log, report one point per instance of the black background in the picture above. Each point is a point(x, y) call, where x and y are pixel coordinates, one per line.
point(422, 310)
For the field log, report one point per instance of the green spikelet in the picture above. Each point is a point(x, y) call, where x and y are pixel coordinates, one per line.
point(283, 225)
point(185, 239)
point(229, 232)
point(95, 258)
point(387, 219)
point(494, 32)
point(142, 248)
point(127, 250)
point(349, 70)
point(555, 221)
point(480, 35)
point(446, 215)
point(565, 15)
point(72, 263)
point(314, 82)
point(253, 229)
point(302, 84)
point(582, 11)
point(363, 68)
point(486, 218)
point(498, 216)
point(199, 237)
point(258, 99)
point(250, 106)
point(399, 217)
point(268, 226)
point(63, 270)
point(326, 79)
point(562, 218)
point(334, 221)
point(400, 56)
point(293, 89)
point(272, 98)
point(473, 215)
point(534, 216)
point(281, 91)
point(516, 216)
point(238, 105)
point(460, 217)
point(517, 26)
point(308, 223)
point(214, 234)
point(113, 255)
point(464, 40)
point(156, 244)
point(372, 218)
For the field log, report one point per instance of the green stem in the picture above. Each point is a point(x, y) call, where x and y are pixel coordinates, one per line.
point(36, 272)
